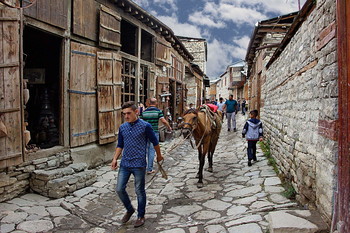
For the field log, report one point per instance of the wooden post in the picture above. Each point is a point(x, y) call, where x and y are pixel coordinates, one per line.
point(341, 220)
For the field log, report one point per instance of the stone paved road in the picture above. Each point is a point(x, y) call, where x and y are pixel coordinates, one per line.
point(235, 197)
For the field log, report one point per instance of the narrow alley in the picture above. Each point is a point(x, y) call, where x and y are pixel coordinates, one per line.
point(235, 198)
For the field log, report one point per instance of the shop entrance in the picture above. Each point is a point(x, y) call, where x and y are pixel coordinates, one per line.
point(41, 74)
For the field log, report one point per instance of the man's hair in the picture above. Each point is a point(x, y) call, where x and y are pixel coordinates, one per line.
point(221, 98)
point(255, 113)
point(153, 101)
point(231, 96)
point(129, 104)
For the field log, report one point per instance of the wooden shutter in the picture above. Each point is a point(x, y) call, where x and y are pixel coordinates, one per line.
point(83, 106)
point(109, 34)
point(49, 11)
point(85, 18)
point(108, 95)
point(151, 90)
point(11, 143)
point(162, 54)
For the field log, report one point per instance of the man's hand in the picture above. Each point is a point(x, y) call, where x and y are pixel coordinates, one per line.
point(114, 164)
point(261, 139)
point(159, 158)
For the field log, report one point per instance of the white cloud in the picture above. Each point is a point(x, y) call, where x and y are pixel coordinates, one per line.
point(199, 18)
point(142, 3)
point(242, 42)
point(220, 55)
point(167, 5)
point(277, 6)
point(181, 29)
point(240, 15)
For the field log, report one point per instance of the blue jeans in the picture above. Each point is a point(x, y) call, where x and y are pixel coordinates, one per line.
point(139, 177)
point(150, 154)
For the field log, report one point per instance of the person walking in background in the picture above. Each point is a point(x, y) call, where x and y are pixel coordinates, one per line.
point(239, 105)
point(231, 107)
point(152, 115)
point(220, 105)
point(132, 141)
point(243, 106)
point(253, 132)
point(141, 108)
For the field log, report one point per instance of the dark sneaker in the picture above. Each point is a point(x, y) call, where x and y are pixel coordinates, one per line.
point(228, 129)
point(234, 130)
point(255, 159)
point(139, 222)
point(249, 163)
point(127, 216)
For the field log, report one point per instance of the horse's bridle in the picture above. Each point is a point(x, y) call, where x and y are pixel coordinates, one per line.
point(191, 126)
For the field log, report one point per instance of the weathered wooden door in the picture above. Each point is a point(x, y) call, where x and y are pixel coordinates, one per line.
point(82, 95)
point(10, 88)
point(108, 95)
point(343, 192)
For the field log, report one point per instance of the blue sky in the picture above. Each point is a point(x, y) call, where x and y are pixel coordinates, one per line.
point(227, 25)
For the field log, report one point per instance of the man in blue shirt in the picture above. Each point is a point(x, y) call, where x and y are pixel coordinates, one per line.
point(132, 143)
point(231, 107)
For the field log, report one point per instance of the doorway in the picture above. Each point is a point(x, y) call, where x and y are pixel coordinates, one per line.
point(41, 74)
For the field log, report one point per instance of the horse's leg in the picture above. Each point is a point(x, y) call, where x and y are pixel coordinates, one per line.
point(201, 162)
point(210, 161)
point(199, 158)
point(200, 170)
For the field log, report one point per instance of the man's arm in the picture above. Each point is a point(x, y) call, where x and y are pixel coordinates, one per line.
point(159, 154)
point(117, 153)
point(166, 123)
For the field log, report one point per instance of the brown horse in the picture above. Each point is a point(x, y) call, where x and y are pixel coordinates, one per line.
point(205, 130)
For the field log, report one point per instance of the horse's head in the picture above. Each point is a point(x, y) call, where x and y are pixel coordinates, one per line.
point(189, 122)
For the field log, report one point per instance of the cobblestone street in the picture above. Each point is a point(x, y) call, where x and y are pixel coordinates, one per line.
point(235, 197)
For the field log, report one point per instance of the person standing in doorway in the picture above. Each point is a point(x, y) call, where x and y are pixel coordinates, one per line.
point(231, 107)
point(152, 115)
point(253, 132)
point(132, 141)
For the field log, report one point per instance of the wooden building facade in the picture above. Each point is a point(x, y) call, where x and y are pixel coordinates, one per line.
point(67, 67)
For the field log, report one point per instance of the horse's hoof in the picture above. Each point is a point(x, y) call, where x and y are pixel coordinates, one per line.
point(210, 169)
point(200, 185)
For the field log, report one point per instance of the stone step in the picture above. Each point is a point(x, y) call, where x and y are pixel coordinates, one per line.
point(296, 221)
point(60, 182)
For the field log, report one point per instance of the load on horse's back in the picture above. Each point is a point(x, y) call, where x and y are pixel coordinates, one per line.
point(205, 126)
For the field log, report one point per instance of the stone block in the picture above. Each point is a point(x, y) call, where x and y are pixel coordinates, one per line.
point(39, 161)
point(6, 181)
point(52, 163)
point(295, 221)
point(78, 167)
point(60, 182)
point(23, 176)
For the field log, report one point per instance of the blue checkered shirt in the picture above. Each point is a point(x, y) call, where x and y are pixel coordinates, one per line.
point(133, 139)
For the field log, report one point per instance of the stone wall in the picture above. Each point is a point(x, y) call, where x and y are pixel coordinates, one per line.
point(198, 51)
point(15, 180)
point(300, 108)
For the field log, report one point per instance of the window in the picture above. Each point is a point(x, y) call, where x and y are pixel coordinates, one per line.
point(128, 79)
point(179, 70)
point(143, 84)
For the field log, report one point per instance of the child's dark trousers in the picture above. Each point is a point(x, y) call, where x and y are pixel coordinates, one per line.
point(251, 150)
